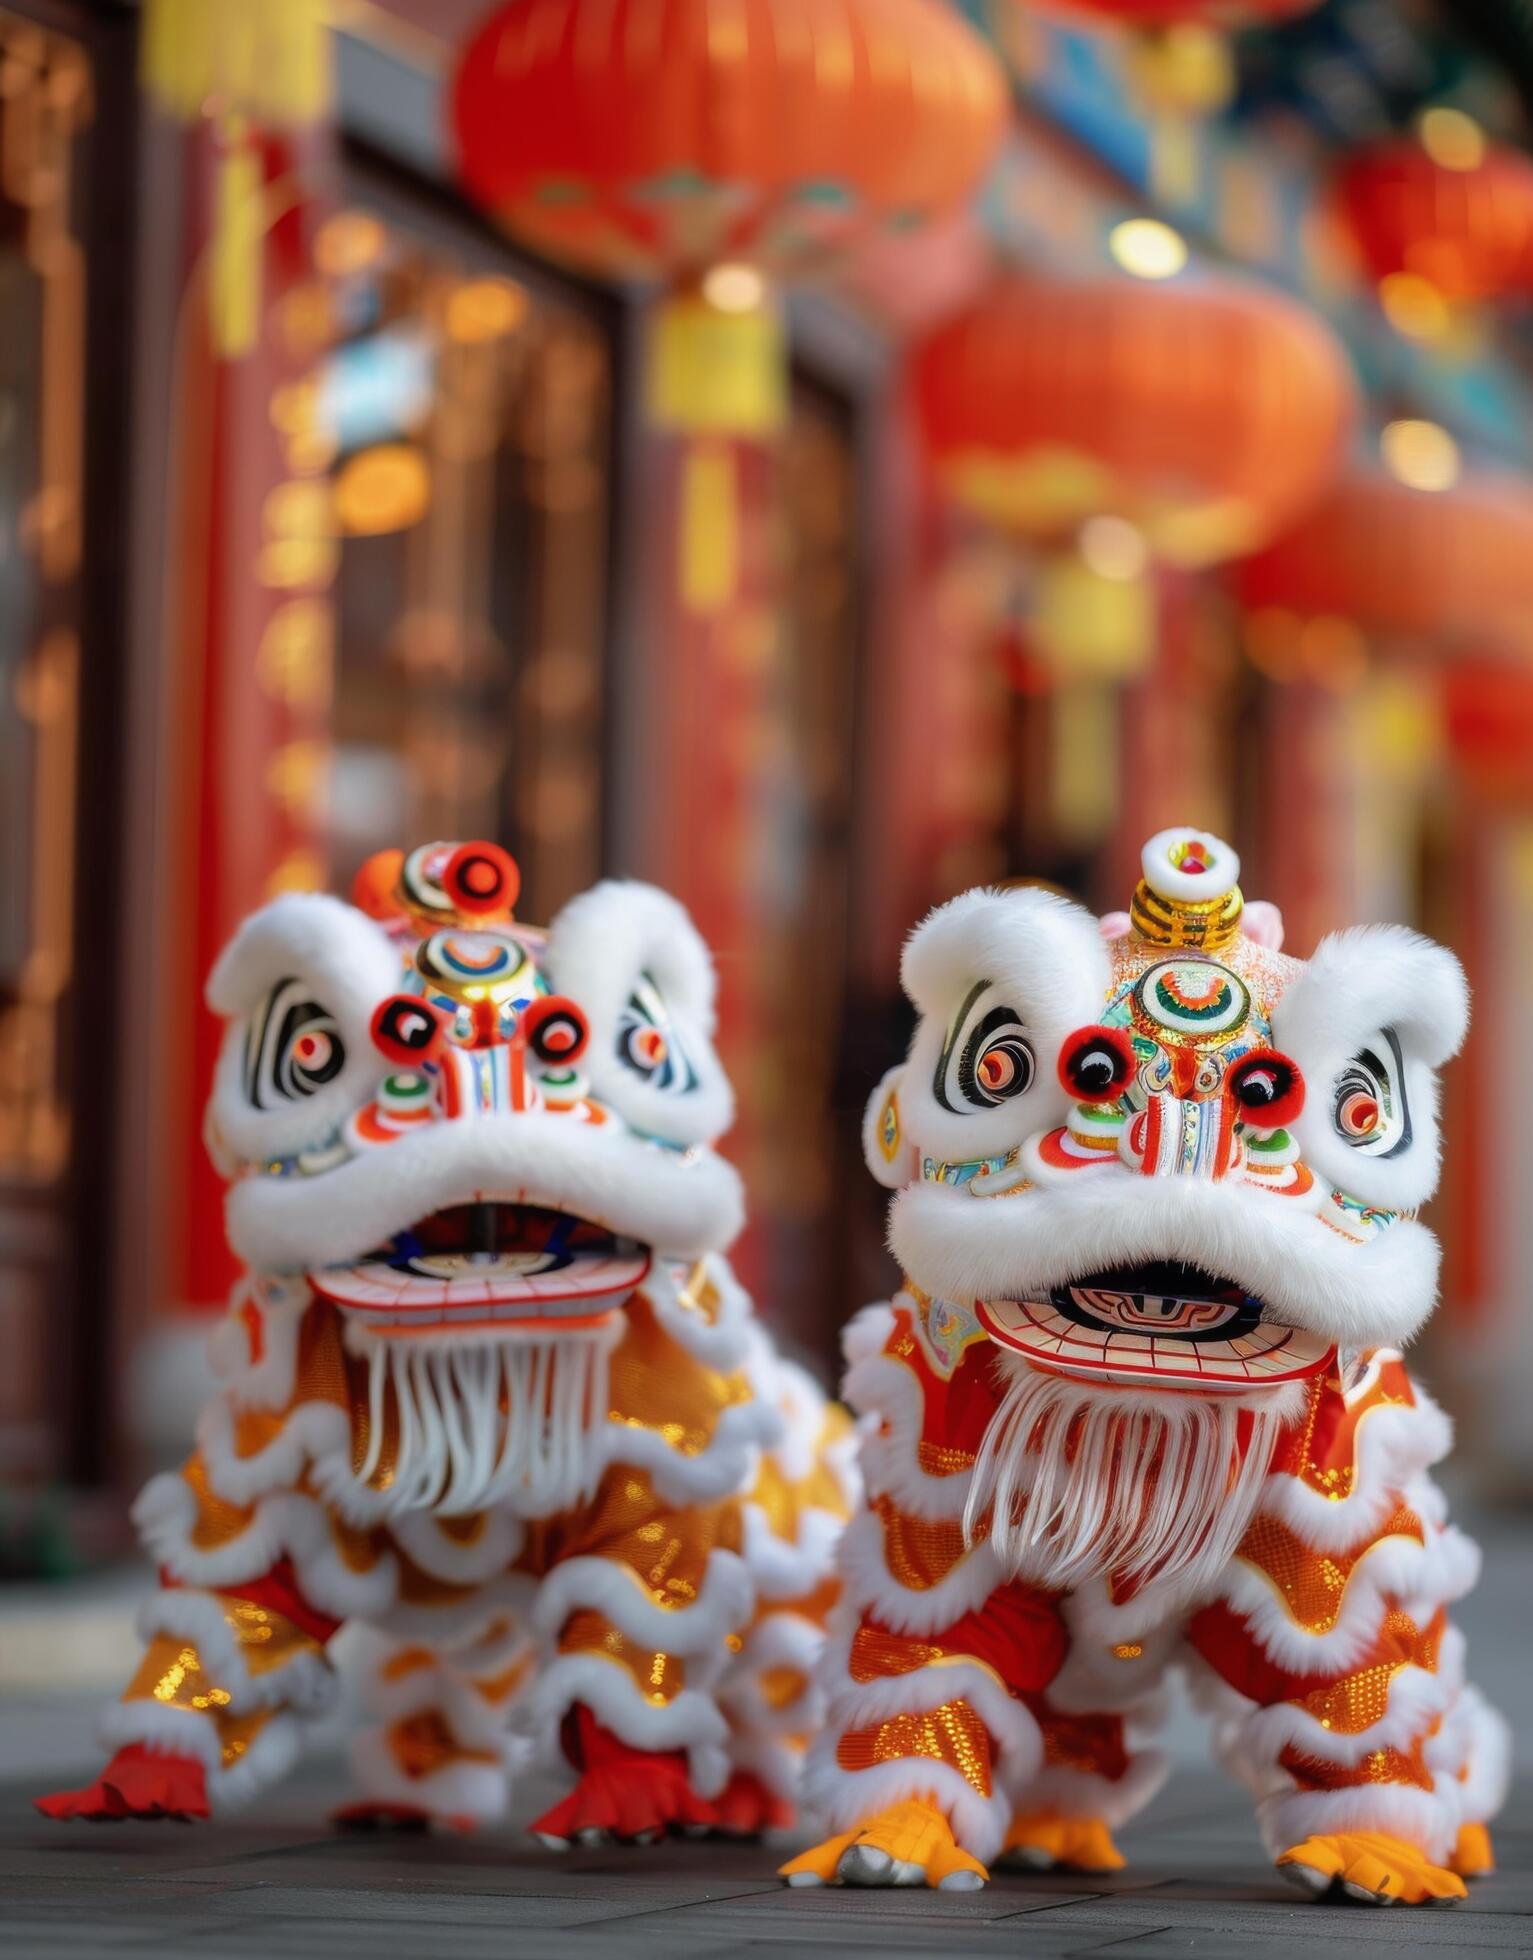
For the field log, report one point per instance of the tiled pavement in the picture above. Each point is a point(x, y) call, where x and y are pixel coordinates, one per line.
point(276, 1884)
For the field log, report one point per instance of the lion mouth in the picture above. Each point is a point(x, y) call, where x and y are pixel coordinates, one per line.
point(1159, 1322)
point(490, 1262)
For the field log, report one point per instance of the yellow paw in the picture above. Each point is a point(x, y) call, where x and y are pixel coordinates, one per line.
point(1473, 1855)
point(1365, 1865)
point(1044, 1839)
point(908, 1844)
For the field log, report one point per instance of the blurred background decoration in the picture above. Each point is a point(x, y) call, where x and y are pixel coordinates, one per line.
point(815, 454)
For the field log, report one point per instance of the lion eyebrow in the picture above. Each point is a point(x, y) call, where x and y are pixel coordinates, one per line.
point(950, 1041)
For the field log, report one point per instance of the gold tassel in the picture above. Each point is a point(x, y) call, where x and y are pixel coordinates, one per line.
point(269, 58)
point(236, 245)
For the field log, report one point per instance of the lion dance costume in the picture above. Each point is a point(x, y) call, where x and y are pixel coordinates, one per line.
point(1139, 1402)
point(489, 1388)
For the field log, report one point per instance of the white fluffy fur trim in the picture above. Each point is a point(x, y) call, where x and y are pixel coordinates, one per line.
point(872, 1586)
point(772, 1760)
point(1358, 983)
point(690, 1721)
point(1416, 1700)
point(312, 1431)
point(697, 1633)
point(472, 1721)
point(1475, 1746)
point(967, 1248)
point(345, 963)
point(167, 1731)
point(867, 1332)
point(727, 1465)
point(1043, 958)
point(788, 1568)
point(721, 1343)
point(1392, 1569)
point(797, 1397)
point(842, 1799)
point(1018, 1742)
point(1425, 1818)
point(599, 947)
point(306, 1683)
point(478, 1790)
point(421, 1537)
point(780, 1640)
point(1078, 1793)
point(683, 1203)
point(281, 1304)
point(881, 1386)
point(1394, 1443)
point(901, 1168)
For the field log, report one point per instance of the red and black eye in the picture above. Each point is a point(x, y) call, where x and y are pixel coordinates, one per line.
point(481, 879)
point(555, 1030)
point(1268, 1089)
point(408, 1030)
point(1096, 1064)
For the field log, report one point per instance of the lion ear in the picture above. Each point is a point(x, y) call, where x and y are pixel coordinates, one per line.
point(886, 1146)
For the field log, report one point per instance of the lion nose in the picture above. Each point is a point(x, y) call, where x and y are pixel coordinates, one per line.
point(1172, 1137)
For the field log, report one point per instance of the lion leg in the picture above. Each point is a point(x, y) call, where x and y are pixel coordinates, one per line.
point(1375, 1768)
point(438, 1754)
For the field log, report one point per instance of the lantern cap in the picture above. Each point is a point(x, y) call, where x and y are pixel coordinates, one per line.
point(1189, 895)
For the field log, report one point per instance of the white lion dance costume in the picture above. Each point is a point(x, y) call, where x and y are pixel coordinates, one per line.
point(1139, 1403)
point(489, 1387)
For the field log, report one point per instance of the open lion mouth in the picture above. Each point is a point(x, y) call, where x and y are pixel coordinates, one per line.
point(490, 1262)
point(1163, 1321)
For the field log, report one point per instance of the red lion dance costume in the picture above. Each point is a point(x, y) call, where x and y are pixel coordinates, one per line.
point(489, 1388)
point(1138, 1403)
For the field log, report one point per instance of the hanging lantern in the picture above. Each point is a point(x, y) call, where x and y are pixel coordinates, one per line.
point(1204, 413)
point(710, 148)
point(1450, 210)
point(658, 137)
point(1448, 567)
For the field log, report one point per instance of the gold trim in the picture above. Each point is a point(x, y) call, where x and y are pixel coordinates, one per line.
point(1194, 925)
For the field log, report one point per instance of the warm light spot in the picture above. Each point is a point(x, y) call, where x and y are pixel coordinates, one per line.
point(484, 309)
point(385, 488)
point(1272, 642)
point(349, 242)
point(1113, 548)
point(732, 288)
point(1422, 455)
point(1452, 139)
point(1413, 306)
point(1147, 248)
point(1333, 652)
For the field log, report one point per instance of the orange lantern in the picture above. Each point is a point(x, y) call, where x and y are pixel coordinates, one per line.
point(1207, 412)
point(1464, 226)
point(1446, 566)
point(658, 137)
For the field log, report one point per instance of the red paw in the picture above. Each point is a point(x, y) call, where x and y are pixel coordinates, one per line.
point(747, 1807)
point(135, 1784)
point(623, 1792)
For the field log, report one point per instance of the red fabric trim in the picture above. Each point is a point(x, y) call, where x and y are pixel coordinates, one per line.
point(136, 1783)
point(276, 1590)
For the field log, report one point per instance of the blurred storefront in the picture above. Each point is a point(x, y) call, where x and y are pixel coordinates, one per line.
point(335, 514)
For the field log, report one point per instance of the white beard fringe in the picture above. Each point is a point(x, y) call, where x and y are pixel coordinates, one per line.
point(1077, 1482)
point(517, 1419)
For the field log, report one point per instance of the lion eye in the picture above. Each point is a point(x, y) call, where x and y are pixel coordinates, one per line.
point(987, 1066)
point(1369, 1109)
point(648, 1044)
point(293, 1047)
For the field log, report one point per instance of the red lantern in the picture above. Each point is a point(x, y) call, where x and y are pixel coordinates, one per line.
point(1180, 13)
point(1207, 412)
point(1446, 566)
point(658, 137)
point(1467, 231)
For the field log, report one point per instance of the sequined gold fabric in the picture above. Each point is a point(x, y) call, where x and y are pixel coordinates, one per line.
point(1312, 1584)
point(938, 1460)
point(951, 1734)
point(876, 1655)
point(651, 1373)
point(666, 1548)
point(172, 1674)
point(267, 1639)
point(659, 1678)
point(218, 1522)
point(1394, 1766)
point(919, 1552)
